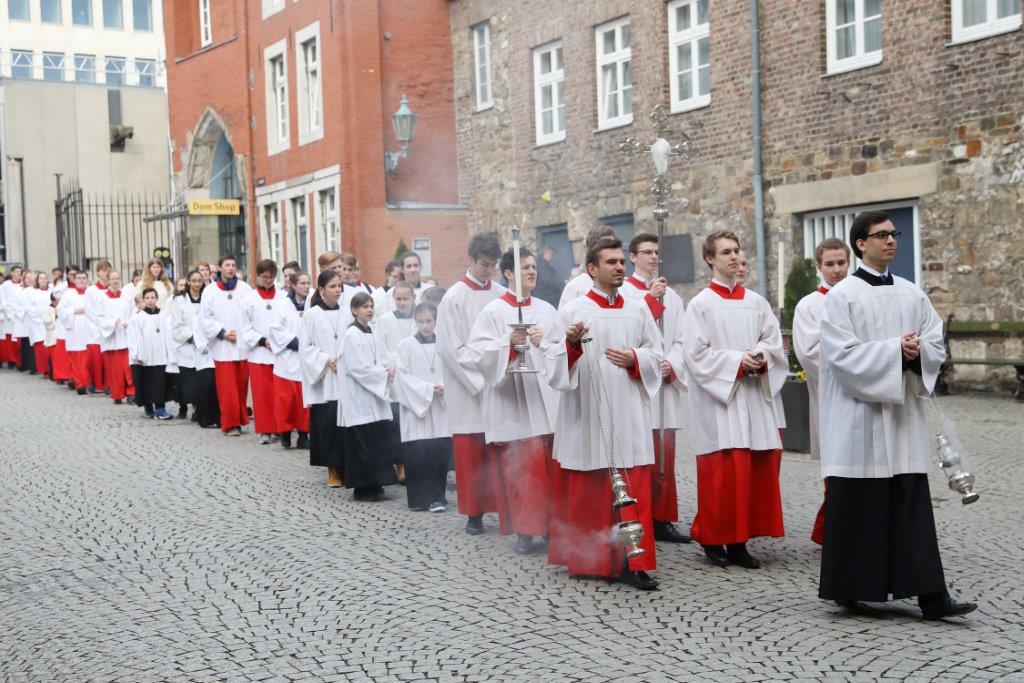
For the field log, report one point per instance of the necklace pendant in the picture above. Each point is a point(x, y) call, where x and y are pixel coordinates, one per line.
point(229, 296)
point(269, 307)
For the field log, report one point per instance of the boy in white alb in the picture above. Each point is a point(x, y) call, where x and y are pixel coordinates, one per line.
point(259, 314)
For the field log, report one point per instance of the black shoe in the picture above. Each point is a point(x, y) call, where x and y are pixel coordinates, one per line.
point(639, 580)
point(303, 441)
point(935, 607)
point(475, 525)
point(524, 544)
point(286, 439)
point(738, 555)
point(81, 392)
point(667, 531)
point(118, 401)
point(716, 555)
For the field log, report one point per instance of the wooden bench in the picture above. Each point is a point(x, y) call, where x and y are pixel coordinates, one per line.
point(980, 328)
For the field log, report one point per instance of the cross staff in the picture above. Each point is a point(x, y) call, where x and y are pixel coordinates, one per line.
point(661, 150)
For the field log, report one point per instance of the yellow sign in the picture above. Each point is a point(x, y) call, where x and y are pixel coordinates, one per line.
point(213, 207)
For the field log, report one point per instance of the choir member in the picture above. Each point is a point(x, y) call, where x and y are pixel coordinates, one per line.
point(259, 304)
point(285, 333)
point(433, 295)
point(743, 270)
point(8, 289)
point(60, 363)
point(881, 350)
point(350, 274)
point(148, 333)
point(114, 311)
point(476, 469)
point(736, 368)
point(50, 322)
point(426, 437)
point(832, 257)
point(37, 302)
point(411, 267)
point(363, 409)
point(155, 277)
point(519, 409)
point(324, 324)
point(287, 270)
point(393, 327)
point(627, 346)
point(667, 308)
point(192, 353)
point(80, 333)
point(58, 283)
point(22, 323)
point(392, 274)
point(583, 283)
point(95, 297)
point(222, 319)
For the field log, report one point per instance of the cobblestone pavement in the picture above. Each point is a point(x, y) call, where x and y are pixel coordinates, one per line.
point(135, 550)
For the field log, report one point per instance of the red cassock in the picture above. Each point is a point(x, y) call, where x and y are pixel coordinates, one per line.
point(526, 485)
point(664, 499)
point(79, 361)
point(232, 378)
point(738, 496)
point(583, 522)
point(94, 362)
point(818, 533)
point(262, 377)
point(12, 354)
point(477, 475)
point(61, 361)
point(42, 357)
point(289, 412)
point(118, 374)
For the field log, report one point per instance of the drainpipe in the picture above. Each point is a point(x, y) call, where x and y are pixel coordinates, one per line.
point(24, 221)
point(755, 74)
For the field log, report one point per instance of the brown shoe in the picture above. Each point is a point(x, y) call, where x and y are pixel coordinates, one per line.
point(334, 478)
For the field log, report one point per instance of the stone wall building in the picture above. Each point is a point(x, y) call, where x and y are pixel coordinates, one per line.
point(916, 107)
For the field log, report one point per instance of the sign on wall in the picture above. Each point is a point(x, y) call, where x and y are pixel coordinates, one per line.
point(214, 207)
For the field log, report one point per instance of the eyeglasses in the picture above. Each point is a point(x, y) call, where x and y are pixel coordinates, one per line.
point(884, 235)
point(648, 252)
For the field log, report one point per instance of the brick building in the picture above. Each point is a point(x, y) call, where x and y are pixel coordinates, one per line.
point(286, 106)
point(915, 106)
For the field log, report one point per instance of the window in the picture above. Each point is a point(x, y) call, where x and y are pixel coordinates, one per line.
point(17, 10)
point(81, 12)
point(50, 11)
point(614, 75)
point(53, 66)
point(85, 69)
point(276, 97)
point(21, 64)
point(272, 7)
point(142, 15)
point(146, 68)
point(482, 65)
point(837, 223)
point(974, 19)
point(548, 98)
point(308, 77)
point(273, 222)
point(301, 224)
point(689, 54)
point(624, 228)
point(115, 70)
point(113, 15)
point(205, 25)
point(329, 220)
point(853, 36)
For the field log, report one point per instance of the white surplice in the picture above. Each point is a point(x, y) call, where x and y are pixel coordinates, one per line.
point(323, 333)
point(390, 331)
point(806, 345)
point(112, 317)
point(148, 338)
point(285, 327)
point(671, 393)
point(37, 301)
point(387, 300)
point(190, 346)
point(222, 311)
point(729, 411)
point(872, 412)
point(575, 288)
point(463, 382)
point(417, 372)
point(258, 314)
point(362, 380)
point(578, 444)
point(79, 332)
point(515, 406)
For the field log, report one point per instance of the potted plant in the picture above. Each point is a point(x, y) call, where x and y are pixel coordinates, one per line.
point(802, 280)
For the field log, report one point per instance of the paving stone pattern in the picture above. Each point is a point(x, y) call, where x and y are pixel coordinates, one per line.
point(134, 550)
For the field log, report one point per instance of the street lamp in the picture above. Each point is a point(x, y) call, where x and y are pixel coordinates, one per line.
point(404, 122)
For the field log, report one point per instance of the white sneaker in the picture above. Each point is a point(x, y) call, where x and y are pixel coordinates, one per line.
point(263, 439)
point(437, 506)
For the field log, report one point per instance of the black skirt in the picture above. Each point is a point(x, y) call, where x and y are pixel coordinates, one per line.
point(426, 470)
point(199, 389)
point(152, 386)
point(137, 382)
point(326, 445)
point(367, 456)
point(879, 540)
point(395, 437)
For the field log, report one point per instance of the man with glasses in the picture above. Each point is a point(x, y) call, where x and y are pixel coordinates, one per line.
point(881, 348)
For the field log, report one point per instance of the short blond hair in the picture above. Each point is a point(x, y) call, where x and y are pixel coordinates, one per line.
point(828, 244)
point(711, 243)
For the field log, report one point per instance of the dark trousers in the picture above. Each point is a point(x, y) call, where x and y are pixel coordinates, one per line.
point(153, 386)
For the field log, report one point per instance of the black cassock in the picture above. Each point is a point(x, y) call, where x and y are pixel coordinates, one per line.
point(368, 455)
point(326, 444)
point(426, 470)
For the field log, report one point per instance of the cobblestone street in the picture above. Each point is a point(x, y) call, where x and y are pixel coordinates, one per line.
point(136, 550)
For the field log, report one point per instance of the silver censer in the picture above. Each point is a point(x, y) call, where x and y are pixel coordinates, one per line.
point(952, 466)
point(630, 532)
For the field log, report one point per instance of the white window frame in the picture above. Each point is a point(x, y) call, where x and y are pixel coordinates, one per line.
point(484, 87)
point(619, 59)
point(144, 68)
point(860, 59)
point(84, 4)
point(205, 24)
point(120, 24)
point(20, 56)
point(272, 224)
point(47, 63)
point(327, 218)
point(115, 61)
point(555, 80)
point(152, 20)
point(837, 223)
point(295, 222)
point(992, 26)
point(692, 100)
point(309, 98)
point(85, 64)
point(271, 7)
point(278, 108)
point(60, 13)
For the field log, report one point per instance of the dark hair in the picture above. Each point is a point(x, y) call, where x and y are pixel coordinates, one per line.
point(294, 265)
point(508, 259)
point(425, 306)
point(640, 238)
point(409, 254)
point(72, 266)
point(359, 300)
point(226, 257)
point(146, 291)
point(711, 243)
point(393, 263)
point(595, 234)
point(862, 225)
point(194, 271)
point(827, 244)
point(266, 266)
point(322, 280)
point(135, 273)
point(484, 245)
point(432, 294)
point(599, 246)
point(293, 279)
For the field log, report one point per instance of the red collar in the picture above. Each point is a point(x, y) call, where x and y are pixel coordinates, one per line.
point(602, 300)
point(269, 293)
point(472, 284)
point(639, 284)
point(112, 294)
point(510, 298)
point(100, 285)
point(824, 290)
point(736, 293)
point(80, 291)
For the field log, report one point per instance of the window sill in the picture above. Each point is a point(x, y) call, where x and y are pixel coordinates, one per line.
point(613, 126)
point(690, 105)
point(204, 49)
point(283, 146)
point(480, 109)
point(853, 65)
point(549, 142)
point(990, 33)
point(305, 139)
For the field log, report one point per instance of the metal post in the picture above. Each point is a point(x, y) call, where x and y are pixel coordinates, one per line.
point(755, 75)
